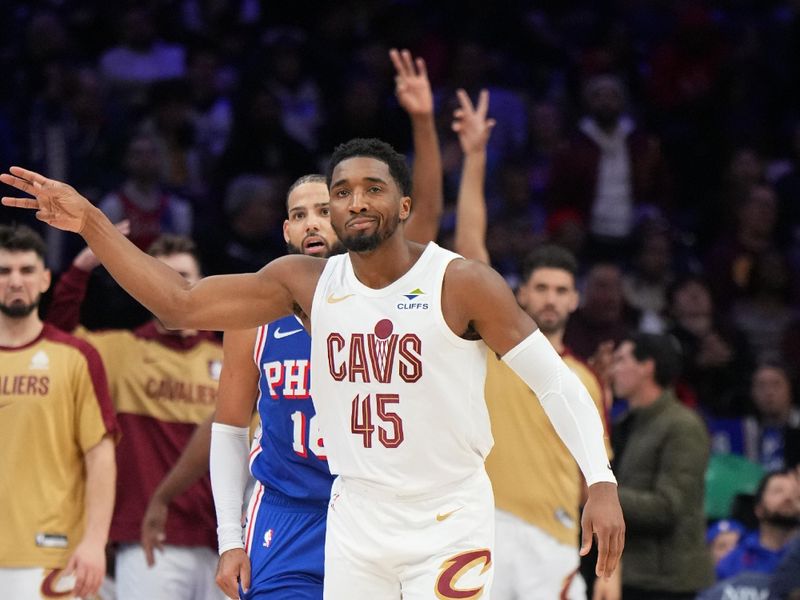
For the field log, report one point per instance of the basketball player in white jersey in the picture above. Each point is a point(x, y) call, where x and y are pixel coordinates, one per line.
point(399, 339)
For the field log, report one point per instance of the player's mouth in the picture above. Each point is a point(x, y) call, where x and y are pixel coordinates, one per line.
point(360, 223)
point(314, 245)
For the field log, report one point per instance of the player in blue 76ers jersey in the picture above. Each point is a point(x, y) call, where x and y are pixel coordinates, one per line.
point(281, 554)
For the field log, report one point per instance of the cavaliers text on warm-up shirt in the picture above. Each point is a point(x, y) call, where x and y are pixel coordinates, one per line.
point(162, 385)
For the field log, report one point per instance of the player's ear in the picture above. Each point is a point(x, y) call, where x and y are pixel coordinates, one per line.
point(286, 230)
point(47, 278)
point(576, 300)
point(405, 207)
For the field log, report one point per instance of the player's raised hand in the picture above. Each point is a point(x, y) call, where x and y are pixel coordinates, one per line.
point(471, 122)
point(412, 87)
point(602, 517)
point(55, 202)
point(233, 570)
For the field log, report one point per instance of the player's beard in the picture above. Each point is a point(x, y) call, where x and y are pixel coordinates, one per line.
point(550, 326)
point(360, 242)
point(330, 249)
point(780, 519)
point(18, 309)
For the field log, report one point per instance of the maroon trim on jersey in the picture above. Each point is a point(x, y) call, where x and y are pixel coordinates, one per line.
point(97, 373)
point(173, 340)
point(147, 451)
point(24, 346)
point(65, 308)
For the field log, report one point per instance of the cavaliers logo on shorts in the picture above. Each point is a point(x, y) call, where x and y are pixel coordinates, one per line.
point(54, 587)
point(454, 568)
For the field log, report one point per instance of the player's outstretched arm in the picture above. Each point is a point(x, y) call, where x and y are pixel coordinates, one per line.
point(477, 296)
point(88, 561)
point(413, 90)
point(238, 389)
point(473, 129)
point(214, 303)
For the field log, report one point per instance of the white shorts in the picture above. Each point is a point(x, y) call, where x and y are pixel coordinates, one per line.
point(436, 546)
point(35, 583)
point(180, 573)
point(532, 565)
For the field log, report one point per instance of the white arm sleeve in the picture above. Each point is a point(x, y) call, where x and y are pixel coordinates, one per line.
point(229, 475)
point(566, 402)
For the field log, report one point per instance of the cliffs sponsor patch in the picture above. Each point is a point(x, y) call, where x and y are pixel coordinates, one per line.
point(414, 300)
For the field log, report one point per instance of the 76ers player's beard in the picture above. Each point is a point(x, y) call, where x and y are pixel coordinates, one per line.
point(330, 250)
point(18, 309)
point(364, 242)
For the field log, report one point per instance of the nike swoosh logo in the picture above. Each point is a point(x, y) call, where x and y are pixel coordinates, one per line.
point(443, 516)
point(282, 334)
point(333, 300)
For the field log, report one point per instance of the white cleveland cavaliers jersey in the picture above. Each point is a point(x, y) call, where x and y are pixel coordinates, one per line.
point(399, 396)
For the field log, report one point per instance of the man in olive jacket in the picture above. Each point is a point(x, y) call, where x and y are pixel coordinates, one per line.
point(662, 451)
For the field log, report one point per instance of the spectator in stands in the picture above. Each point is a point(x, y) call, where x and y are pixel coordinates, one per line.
point(609, 170)
point(142, 199)
point(604, 314)
point(777, 508)
point(141, 58)
point(765, 312)
point(776, 415)
point(717, 357)
point(722, 537)
point(661, 450)
point(733, 255)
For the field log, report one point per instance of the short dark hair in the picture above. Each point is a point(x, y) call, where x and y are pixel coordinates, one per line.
point(762, 485)
point(686, 281)
point(663, 350)
point(21, 238)
point(303, 179)
point(169, 244)
point(377, 149)
point(549, 256)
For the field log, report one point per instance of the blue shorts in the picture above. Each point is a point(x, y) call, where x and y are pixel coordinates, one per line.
point(286, 544)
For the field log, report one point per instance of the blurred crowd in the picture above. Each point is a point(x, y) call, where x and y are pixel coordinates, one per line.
point(657, 140)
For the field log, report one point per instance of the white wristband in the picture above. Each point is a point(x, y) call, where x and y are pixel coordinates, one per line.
point(567, 403)
point(229, 475)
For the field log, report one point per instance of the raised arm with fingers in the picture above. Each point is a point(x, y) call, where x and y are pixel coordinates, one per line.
point(414, 94)
point(473, 128)
point(214, 303)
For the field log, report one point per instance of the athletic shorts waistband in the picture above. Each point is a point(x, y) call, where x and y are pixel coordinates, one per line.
point(280, 500)
point(378, 493)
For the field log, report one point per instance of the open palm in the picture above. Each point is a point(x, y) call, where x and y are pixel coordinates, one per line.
point(412, 87)
point(55, 202)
